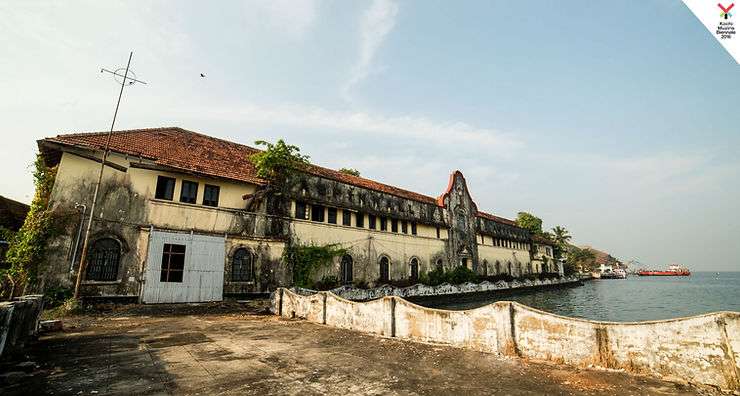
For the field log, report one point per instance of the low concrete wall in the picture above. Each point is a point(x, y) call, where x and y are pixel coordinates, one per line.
point(701, 349)
point(19, 321)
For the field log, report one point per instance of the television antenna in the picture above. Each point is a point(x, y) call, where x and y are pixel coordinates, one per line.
point(125, 77)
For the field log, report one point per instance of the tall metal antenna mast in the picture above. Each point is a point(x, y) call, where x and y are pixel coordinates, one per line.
point(124, 77)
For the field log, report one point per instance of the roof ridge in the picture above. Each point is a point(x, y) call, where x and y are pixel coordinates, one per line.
point(116, 132)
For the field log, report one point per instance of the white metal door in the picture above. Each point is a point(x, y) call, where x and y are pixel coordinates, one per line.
point(203, 271)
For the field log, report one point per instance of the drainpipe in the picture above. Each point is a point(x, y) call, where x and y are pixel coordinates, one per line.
point(79, 233)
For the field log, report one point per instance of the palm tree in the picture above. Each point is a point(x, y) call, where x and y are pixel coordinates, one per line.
point(561, 235)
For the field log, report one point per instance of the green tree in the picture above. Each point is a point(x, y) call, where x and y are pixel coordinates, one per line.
point(27, 252)
point(560, 236)
point(350, 171)
point(529, 222)
point(581, 259)
point(277, 161)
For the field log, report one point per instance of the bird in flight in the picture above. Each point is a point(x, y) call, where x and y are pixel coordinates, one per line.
point(202, 75)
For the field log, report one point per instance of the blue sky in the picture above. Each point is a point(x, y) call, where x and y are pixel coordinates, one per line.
point(617, 120)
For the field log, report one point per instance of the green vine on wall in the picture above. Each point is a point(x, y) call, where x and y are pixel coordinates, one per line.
point(27, 251)
point(307, 259)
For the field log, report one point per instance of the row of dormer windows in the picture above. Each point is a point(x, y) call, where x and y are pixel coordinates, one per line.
point(328, 214)
point(188, 191)
point(505, 243)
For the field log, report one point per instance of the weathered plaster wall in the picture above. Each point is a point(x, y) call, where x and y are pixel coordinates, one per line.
point(126, 207)
point(367, 247)
point(518, 258)
point(700, 349)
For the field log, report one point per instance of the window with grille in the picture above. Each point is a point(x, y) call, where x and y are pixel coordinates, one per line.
point(242, 266)
point(414, 269)
point(210, 195)
point(346, 269)
point(173, 263)
point(331, 215)
point(103, 260)
point(189, 192)
point(165, 188)
point(384, 269)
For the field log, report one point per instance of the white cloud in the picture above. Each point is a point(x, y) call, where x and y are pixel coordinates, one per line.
point(425, 130)
point(293, 18)
point(376, 23)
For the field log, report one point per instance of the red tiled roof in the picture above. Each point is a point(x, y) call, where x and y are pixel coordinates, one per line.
point(191, 151)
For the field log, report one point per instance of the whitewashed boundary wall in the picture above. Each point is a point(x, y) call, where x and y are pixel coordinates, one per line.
point(701, 349)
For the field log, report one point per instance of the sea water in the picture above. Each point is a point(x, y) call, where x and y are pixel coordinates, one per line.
point(627, 300)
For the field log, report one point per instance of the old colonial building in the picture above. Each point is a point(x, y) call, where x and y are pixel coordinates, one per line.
point(183, 217)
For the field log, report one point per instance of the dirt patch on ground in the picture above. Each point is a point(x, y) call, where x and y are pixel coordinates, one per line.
point(236, 348)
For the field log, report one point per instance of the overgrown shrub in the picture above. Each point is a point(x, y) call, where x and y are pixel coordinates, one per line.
point(327, 282)
point(461, 275)
point(28, 247)
point(307, 259)
point(56, 296)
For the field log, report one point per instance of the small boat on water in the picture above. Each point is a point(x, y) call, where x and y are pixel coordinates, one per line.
point(673, 270)
point(616, 273)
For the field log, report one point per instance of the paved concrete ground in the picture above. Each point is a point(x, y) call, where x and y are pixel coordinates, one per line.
point(236, 349)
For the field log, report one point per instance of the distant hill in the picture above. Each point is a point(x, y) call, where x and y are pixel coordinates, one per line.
point(603, 257)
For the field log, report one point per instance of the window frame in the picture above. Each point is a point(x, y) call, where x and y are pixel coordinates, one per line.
point(346, 218)
point(394, 225)
point(165, 193)
point(96, 271)
point(169, 270)
point(331, 215)
point(360, 220)
point(372, 221)
point(238, 277)
point(318, 213)
point(301, 208)
point(184, 199)
point(414, 231)
point(210, 188)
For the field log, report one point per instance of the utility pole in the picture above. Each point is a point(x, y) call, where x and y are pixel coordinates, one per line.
point(125, 80)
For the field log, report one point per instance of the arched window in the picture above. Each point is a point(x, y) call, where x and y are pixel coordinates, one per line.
point(384, 269)
point(242, 266)
point(414, 269)
point(485, 267)
point(103, 259)
point(440, 266)
point(511, 272)
point(529, 268)
point(498, 267)
point(346, 269)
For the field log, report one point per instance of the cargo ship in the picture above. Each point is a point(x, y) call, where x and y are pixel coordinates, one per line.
point(673, 270)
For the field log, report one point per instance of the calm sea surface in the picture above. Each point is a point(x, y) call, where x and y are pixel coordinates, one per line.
point(632, 299)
